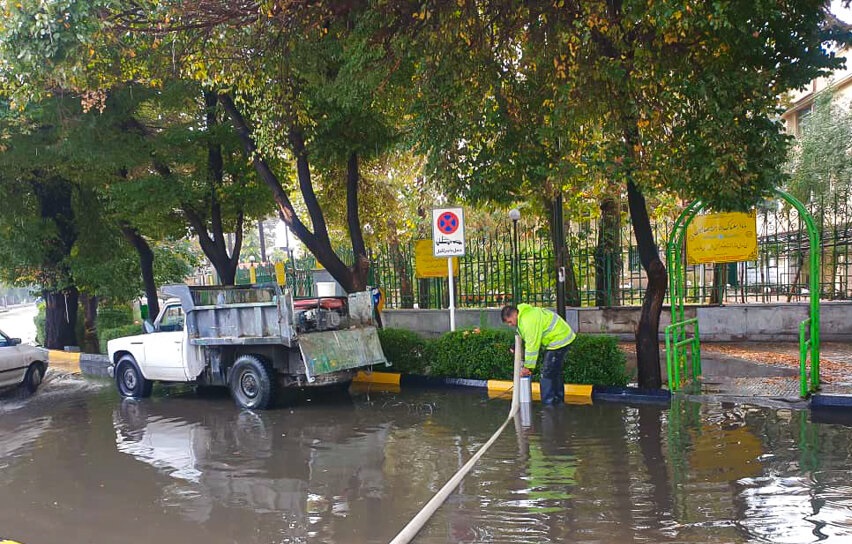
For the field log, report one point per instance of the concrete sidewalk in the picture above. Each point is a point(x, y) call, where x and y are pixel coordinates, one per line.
point(760, 369)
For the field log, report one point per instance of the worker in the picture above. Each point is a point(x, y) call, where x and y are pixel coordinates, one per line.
point(540, 328)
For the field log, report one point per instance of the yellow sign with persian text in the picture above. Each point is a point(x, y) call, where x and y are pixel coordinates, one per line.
point(426, 265)
point(722, 238)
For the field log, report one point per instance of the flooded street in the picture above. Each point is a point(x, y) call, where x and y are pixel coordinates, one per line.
point(79, 465)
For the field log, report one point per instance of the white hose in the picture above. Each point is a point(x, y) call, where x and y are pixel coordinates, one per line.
point(417, 522)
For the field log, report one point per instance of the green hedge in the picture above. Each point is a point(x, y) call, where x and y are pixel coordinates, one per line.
point(486, 354)
point(106, 335)
point(596, 360)
point(479, 354)
point(407, 351)
point(114, 317)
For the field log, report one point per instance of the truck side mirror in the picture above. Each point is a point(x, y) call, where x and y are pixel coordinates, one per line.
point(148, 327)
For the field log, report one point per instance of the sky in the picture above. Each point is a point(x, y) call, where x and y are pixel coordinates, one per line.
point(844, 14)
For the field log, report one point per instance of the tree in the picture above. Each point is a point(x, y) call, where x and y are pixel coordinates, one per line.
point(678, 97)
point(307, 93)
point(820, 168)
point(60, 221)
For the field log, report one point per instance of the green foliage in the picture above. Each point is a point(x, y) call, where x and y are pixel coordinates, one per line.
point(820, 161)
point(39, 320)
point(407, 351)
point(479, 353)
point(106, 335)
point(485, 354)
point(595, 360)
point(111, 318)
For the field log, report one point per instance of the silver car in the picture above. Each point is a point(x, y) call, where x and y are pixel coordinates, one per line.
point(21, 364)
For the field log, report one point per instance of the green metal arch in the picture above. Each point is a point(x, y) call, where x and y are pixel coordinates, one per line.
point(677, 285)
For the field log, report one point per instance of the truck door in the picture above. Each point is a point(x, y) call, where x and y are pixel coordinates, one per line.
point(164, 347)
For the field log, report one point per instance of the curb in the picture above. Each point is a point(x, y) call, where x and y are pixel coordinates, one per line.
point(88, 364)
point(574, 393)
point(632, 395)
point(94, 364)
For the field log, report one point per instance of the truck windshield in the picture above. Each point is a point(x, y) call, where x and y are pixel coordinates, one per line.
point(172, 319)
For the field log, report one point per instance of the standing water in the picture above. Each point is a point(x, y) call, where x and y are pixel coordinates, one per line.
point(79, 465)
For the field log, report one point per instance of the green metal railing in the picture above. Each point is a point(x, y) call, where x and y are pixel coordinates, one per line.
point(676, 333)
point(678, 347)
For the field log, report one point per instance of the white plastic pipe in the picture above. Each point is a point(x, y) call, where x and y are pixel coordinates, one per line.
point(417, 522)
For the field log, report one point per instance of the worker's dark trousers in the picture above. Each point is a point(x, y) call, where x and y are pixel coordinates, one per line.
point(552, 382)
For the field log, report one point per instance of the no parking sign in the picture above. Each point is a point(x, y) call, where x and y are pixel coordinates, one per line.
point(448, 232)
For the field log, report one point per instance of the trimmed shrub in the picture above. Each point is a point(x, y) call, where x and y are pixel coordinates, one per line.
point(485, 354)
point(479, 354)
point(114, 317)
point(596, 360)
point(106, 335)
point(407, 351)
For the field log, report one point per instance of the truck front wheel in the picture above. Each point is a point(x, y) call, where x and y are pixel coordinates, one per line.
point(252, 383)
point(130, 381)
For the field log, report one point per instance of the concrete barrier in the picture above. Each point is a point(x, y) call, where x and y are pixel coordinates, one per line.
point(740, 322)
point(88, 364)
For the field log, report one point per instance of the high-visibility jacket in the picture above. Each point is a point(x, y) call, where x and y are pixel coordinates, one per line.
point(541, 328)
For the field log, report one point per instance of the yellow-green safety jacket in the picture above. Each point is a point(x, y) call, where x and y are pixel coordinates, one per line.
point(541, 328)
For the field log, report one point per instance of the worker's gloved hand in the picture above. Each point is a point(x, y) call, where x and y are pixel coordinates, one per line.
point(525, 372)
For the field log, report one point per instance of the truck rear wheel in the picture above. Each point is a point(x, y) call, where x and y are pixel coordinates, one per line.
point(252, 383)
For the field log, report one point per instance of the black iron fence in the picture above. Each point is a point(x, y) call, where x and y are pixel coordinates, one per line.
point(598, 274)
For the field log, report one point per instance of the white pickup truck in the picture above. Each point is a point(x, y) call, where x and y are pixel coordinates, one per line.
point(251, 339)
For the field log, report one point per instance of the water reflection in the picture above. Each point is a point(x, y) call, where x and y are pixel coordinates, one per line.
point(186, 469)
point(297, 468)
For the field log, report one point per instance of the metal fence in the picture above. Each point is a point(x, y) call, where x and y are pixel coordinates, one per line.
point(780, 273)
point(600, 278)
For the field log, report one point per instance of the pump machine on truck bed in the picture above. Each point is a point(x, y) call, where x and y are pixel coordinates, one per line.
point(252, 339)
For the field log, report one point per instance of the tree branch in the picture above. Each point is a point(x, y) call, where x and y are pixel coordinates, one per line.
point(306, 186)
point(215, 169)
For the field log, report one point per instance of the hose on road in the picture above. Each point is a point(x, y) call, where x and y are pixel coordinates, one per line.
point(418, 521)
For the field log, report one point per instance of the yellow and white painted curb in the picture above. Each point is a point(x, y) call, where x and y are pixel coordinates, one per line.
point(65, 360)
point(382, 378)
point(574, 393)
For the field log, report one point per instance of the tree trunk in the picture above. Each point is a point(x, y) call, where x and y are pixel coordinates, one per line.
point(608, 255)
point(360, 270)
point(647, 332)
point(401, 268)
point(146, 264)
point(720, 281)
point(557, 240)
point(90, 314)
point(568, 293)
point(60, 318)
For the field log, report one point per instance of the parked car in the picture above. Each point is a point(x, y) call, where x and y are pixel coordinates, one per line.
point(21, 364)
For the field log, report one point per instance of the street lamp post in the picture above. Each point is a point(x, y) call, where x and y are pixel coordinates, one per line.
point(515, 216)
